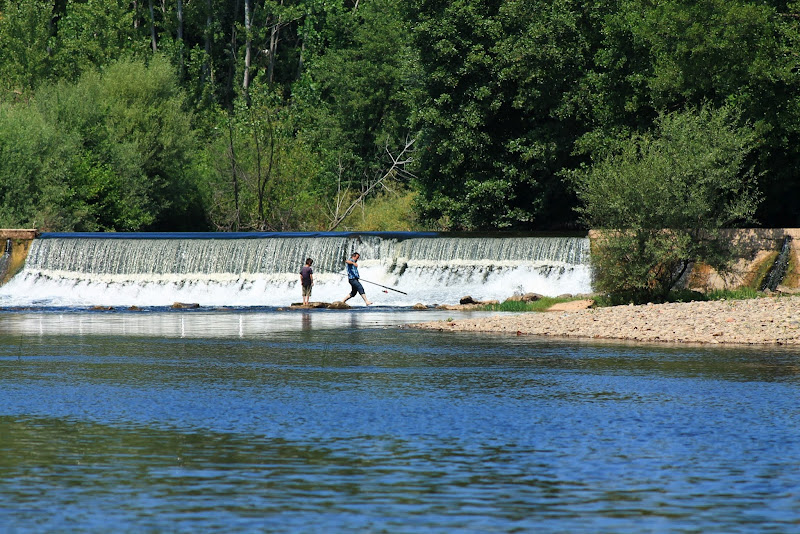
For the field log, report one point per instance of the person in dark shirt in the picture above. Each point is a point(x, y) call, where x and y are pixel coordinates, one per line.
point(307, 280)
point(352, 277)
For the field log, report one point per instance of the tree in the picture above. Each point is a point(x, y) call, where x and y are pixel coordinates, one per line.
point(263, 179)
point(660, 57)
point(496, 126)
point(661, 198)
point(92, 34)
point(24, 38)
point(112, 151)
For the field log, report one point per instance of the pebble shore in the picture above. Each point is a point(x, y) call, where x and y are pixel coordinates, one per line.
point(761, 321)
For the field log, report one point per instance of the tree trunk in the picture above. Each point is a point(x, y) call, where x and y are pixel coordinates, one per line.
point(152, 26)
point(180, 35)
point(248, 29)
point(300, 61)
point(234, 175)
point(398, 168)
point(136, 14)
point(234, 51)
point(274, 38)
point(207, 38)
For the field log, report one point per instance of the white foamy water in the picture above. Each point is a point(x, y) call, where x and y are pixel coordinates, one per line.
point(74, 271)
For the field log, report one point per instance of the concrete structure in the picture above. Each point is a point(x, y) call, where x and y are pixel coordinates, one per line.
point(758, 248)
point(11, 261)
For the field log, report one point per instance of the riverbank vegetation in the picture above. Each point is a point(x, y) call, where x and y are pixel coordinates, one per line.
point(285, 115)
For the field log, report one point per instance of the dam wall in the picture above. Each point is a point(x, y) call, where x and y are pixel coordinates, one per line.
point(261, 269)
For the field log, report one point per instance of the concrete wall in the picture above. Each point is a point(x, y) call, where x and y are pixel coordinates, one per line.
point(20, 244)
point(758, 248)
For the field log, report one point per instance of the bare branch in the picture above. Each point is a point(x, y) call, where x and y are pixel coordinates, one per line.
point(397, 168)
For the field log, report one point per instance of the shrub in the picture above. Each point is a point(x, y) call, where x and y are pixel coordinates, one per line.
point(660, 199)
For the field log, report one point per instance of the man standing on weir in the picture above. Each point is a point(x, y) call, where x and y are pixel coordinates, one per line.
point(352, 277)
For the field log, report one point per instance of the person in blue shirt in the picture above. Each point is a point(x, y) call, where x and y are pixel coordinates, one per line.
point(352, 277)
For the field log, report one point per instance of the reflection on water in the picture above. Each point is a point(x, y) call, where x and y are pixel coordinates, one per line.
point(205, 324)
point(333, 422)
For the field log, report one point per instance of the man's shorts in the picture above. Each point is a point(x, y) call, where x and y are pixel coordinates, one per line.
point(307, 291)
point(356, 287)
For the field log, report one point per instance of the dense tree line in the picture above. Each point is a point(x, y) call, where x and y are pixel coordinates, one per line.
point(386, 114)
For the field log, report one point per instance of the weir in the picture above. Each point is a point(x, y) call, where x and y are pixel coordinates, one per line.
point(262, 269)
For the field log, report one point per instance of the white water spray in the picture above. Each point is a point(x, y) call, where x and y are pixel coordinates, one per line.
point(87, 271)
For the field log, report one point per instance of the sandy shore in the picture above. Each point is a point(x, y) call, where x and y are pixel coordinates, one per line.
point(768, 320)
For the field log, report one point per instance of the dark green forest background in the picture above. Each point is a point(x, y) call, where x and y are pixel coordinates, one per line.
point(286, 115)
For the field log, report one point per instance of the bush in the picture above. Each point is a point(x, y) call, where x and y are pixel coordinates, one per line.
point(660, 200)
point(113, 151)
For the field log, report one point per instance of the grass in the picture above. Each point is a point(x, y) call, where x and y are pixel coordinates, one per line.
point(601, 301)
point(520, 306)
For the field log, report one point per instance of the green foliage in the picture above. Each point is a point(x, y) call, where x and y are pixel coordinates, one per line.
point(110, 152)
point(734, 294)
point(677, 295)
point(34, 161)
point(352, 103)
point(540, 305)
point(24, 40)
point(392, 210)
point(495, 110)
point(503, 97)
point(655, 58)
point(264, 178)
point(91, 34)
point(660, 200)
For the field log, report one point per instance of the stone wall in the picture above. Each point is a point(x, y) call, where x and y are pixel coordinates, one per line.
point(20, 241)
point(758, 248)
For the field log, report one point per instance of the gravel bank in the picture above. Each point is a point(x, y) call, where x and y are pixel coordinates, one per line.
point(768, 320)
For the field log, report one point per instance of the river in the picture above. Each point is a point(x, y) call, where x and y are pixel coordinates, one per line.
point(341, 421)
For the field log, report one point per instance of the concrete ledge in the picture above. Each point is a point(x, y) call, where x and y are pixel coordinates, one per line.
point(15, 233)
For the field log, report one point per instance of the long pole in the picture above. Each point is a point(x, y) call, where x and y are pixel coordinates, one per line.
point(379, 285)
point(384, 287)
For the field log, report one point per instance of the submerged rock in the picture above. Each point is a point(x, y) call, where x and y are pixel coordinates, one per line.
point(185, 305)
point(310, 305)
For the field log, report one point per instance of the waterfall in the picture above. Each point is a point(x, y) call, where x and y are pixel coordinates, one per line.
point(778, 270)
point(262, 269)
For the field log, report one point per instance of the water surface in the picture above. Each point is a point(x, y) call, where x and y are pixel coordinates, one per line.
point(340, 421)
